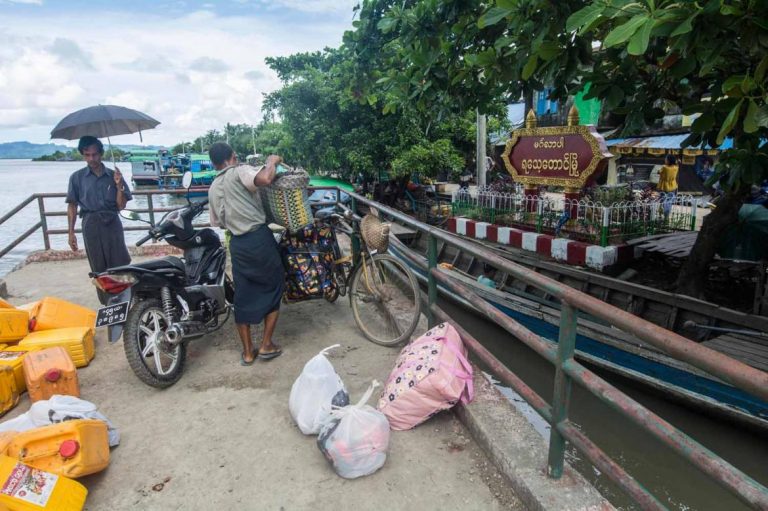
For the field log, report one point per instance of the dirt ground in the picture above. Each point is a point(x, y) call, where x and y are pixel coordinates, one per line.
point(222, 438)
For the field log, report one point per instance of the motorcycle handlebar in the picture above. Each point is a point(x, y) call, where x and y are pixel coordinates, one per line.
point(144, 240)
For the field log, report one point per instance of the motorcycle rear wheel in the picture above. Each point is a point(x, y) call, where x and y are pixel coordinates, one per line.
point(146, 349)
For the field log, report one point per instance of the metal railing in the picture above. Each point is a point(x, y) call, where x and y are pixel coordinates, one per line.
point(584, 218)
point(569, 371)
point(42, 225)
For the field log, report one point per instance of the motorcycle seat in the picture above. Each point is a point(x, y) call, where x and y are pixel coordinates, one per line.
point(163, 262)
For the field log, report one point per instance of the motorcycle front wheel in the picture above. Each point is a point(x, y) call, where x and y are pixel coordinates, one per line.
point(155, 361)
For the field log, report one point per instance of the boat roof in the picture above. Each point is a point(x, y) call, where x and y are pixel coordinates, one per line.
point(331, 181)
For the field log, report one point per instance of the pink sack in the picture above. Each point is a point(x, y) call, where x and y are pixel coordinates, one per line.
point(431, 374)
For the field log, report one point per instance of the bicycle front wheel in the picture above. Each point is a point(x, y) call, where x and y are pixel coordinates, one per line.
point(385, 300)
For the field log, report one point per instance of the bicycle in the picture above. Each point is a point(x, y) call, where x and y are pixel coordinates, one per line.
point(383, 292)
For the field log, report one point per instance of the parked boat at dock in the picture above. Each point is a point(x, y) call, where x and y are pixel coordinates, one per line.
point(148, 166)
point(609, 348)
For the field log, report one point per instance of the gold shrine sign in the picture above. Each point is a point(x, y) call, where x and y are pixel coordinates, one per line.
point(570, 156)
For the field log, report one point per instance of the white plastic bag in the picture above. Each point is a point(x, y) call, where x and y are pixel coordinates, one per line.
point(317, 388)
point(59, 409)
point(356, 439)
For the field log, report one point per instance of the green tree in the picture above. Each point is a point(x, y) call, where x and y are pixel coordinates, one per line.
point(706, 58)
point(428, 159)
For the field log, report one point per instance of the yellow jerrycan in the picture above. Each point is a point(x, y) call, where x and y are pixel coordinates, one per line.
point(14, 325)
point(13, 357)
point(9, 394)
point(25, 488)
point(5, 440)
point(48, 372)
point(73, 448)
point(57, 313)
point(77, 340)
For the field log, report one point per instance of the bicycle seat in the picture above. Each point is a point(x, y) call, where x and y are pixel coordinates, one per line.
point(324, 213)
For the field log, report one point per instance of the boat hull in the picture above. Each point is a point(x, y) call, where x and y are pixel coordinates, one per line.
point(616, 354)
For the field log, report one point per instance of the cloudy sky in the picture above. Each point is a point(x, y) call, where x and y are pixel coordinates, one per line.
point(193, 65)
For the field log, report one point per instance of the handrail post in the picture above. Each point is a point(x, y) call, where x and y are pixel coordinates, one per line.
point(43, 222)
point(151, 208)
point(694, 205)
point(539, 214)
point(431, 282)
point(355, 239)
point(566, 345)
point(606, 223)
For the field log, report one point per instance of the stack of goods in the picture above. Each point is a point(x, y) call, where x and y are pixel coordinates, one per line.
point(308, 257)
point(61, 436)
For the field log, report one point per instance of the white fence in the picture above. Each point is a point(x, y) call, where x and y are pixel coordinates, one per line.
point(586, 218)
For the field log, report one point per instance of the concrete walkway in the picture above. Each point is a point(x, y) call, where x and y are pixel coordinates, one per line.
point(222, 438)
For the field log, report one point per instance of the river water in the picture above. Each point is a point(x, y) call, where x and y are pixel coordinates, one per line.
point(673, 480)
point(21, 178)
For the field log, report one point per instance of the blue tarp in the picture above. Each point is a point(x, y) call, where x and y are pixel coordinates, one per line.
point(671, 142)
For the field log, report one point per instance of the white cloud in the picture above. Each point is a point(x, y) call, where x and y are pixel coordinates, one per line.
point(69, 52)
point(315, 6)
point(193, 73)
point(209, 65)
point(33, 2)
point(35, 88)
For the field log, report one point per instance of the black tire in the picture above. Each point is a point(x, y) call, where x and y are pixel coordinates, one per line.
point(134, 344)
point(391, 320)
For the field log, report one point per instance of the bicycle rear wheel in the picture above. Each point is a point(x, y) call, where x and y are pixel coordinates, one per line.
point(385, 300)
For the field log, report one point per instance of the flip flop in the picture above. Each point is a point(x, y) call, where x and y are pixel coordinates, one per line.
point(271, 354)
point(244, 362)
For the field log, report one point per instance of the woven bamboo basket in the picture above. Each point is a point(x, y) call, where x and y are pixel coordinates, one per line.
point(287, 201)
point(375, 233)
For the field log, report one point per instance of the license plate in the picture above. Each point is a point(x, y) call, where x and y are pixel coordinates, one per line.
point(112, 314)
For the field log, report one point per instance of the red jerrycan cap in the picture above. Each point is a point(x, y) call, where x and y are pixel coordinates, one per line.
point(68, 448)
point(52, 375)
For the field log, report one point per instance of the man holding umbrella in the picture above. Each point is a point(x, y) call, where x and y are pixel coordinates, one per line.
point(100, 193)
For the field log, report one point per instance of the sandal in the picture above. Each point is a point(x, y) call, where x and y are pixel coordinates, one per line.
point(244, 362)
point(271, 354)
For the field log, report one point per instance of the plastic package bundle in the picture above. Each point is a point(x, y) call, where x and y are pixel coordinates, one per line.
point(356, 438)
point(317, 389)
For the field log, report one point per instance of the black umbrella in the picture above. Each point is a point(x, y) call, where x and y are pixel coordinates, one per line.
point(103, 121)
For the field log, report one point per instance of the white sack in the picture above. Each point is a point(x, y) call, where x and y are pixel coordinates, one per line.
point(317, 388)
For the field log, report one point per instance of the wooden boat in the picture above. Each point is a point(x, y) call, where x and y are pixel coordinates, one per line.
point(739, 335)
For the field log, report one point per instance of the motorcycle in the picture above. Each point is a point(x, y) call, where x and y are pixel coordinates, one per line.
point(159, 305)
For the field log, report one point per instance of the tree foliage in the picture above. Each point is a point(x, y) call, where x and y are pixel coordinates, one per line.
point(642, 57)
point(428, 159)
point(333, 129)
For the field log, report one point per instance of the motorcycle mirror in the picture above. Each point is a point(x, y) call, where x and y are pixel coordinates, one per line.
point(186, 180)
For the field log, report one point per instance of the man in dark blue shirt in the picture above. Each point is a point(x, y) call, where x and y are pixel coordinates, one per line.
point(100, 193)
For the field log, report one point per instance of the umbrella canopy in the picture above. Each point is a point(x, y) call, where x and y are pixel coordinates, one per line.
point(102, 121)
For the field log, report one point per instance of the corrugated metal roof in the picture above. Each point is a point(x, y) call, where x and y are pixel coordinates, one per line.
point(671, 142)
